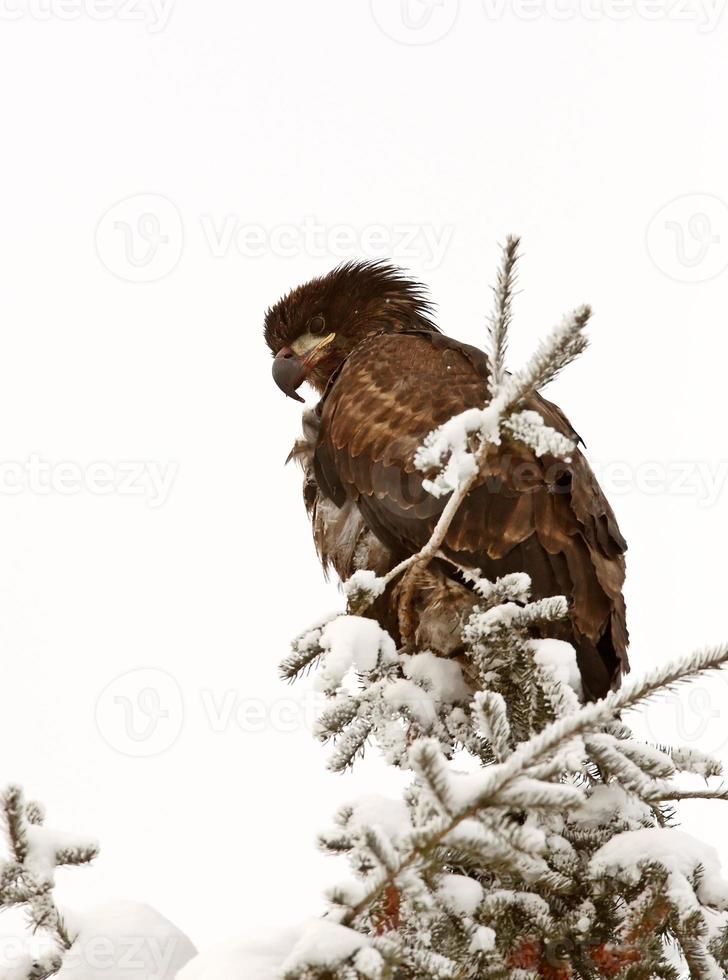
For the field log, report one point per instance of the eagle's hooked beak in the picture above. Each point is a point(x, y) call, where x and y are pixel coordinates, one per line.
point(292, 367)
point(289, 372)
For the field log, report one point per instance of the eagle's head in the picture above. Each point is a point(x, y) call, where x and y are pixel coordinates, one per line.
point(315, 327)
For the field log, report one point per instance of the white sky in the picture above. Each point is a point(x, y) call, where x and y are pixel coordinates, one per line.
point(304, 133)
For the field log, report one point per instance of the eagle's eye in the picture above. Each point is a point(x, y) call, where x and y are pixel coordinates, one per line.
point(317, 324)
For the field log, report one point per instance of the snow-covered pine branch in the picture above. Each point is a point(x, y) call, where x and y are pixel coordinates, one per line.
point(534, 749)
point(114, 940)
point(455, 452)
point(376, 693)
point(500, 319)
point(27, 877)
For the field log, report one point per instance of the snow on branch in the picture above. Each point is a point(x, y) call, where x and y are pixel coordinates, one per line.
point(468, 819)
point(416, 897)
point(114, 940)
point(374, 691)
point(28, 876)
point(500, 319)
point(457, 450)
point(530, 428)
point(563, 345)
point(492, 789)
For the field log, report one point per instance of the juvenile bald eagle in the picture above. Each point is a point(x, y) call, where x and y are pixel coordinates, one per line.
point(365, 338)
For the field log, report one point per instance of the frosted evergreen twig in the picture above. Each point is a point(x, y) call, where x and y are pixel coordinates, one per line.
point(500, 319)
point(548, 742)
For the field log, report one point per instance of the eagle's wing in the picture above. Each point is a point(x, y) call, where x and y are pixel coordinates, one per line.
point(539, 515)
point(342, 539)
point(345, 543)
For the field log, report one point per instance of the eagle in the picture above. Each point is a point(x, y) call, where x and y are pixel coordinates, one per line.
point(364, 336)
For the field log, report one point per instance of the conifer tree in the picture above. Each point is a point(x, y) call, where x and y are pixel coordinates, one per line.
point(27, 877)
point(536, 837)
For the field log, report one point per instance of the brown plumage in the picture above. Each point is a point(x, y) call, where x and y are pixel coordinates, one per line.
point(388, 378)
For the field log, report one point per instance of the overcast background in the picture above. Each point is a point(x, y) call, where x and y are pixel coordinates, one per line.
point(168, 170)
